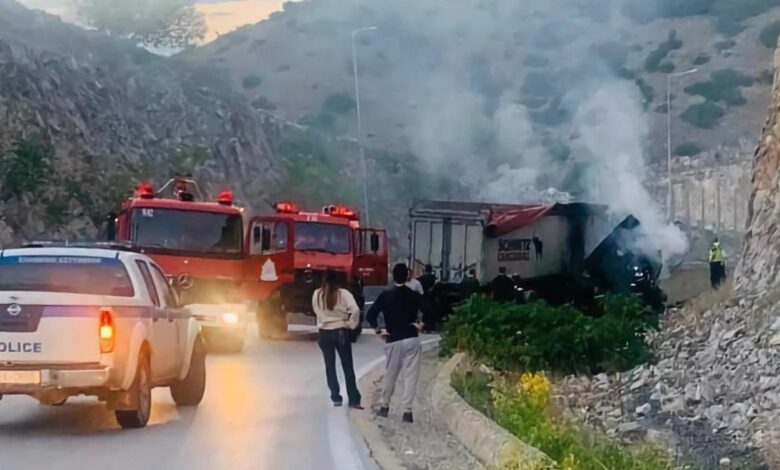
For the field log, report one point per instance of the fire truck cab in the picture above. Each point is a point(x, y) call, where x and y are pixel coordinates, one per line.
point(290, 250)
point(199, 245)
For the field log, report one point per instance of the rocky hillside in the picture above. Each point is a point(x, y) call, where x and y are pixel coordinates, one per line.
point(83, 118)
point(714, 391)
point(443, 80)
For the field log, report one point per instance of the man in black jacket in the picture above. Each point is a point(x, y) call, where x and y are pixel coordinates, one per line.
point(502, 288)
point(399, 306)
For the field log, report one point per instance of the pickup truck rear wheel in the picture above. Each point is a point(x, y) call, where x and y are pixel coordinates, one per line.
point(190, 390)
point(142, 395)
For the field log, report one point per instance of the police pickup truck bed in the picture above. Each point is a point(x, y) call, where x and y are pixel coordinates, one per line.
point(99, 322)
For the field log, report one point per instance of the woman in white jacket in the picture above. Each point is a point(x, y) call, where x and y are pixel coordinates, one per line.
point(337, 315)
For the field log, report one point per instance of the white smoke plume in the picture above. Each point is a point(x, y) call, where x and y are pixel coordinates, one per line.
point(612, 127)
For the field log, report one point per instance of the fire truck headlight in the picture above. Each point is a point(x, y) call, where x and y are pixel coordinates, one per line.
point(230, 318)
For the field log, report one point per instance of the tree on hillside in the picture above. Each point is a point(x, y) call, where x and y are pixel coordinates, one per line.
point(157, 23)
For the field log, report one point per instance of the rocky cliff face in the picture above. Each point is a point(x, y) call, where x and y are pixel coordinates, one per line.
point(760, 257)
point(102, 114)
point(715, 390)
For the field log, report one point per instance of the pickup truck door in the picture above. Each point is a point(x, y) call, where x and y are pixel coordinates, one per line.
point(269, 242)
point(164, 335)
point(371, 256)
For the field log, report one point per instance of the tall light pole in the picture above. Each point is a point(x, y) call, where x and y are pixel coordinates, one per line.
point(359, 119)
point(669, 211)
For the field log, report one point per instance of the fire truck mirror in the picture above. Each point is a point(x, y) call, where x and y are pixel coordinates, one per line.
point(374, 242)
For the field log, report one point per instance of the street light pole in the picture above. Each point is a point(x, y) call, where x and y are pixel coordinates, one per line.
point(669, 211)
point(360, 121)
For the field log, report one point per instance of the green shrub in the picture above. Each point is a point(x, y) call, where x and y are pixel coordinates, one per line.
point(724, 45)
point(539, 336)
point(723, 86)
point(648, 92)
point(563, 441)
point(27, 168)
point(666, 67)
point(701, 59)
point(654, 59)
point(687, 149)
point(704, 116)
point(339, 103)
point(728, 15)
point(769, 35)
point(251, 81)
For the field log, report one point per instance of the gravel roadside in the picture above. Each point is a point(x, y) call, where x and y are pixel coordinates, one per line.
point(427, 444)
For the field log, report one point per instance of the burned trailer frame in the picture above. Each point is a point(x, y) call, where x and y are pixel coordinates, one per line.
point(550, 247)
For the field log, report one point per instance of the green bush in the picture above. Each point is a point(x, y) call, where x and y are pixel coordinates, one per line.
point(701, 59)
point(769, 35)
point(724, 45)
point(563, 441)
point(704, 116)
point(666, 67)
point(539, 336)
point(687, 149)
point(251, 81)
point(654, 59)
point(339, 103)
point(723, 86)
point(27, 168)
point(728, 15)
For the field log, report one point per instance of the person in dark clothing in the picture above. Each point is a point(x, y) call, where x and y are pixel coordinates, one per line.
point(470, 284)
point(428, 283)
point(502, 288)
point(399, 306)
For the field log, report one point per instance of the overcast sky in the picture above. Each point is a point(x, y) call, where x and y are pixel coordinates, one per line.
point(222, 16)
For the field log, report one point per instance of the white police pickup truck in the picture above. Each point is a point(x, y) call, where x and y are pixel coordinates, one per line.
point(100, 322)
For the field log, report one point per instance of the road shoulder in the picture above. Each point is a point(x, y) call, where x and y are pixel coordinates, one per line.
point(426, 444)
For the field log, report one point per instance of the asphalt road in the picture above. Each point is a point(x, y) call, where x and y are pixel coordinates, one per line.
point(267, 408)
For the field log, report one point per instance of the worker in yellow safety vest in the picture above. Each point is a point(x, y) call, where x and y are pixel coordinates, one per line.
point(717, 258)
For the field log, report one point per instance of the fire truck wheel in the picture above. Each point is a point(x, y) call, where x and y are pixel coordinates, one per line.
point(271, 321)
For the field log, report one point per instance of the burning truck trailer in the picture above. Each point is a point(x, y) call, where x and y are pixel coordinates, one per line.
point(562, 253)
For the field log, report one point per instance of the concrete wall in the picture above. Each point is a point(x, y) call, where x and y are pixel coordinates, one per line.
point(710, 192)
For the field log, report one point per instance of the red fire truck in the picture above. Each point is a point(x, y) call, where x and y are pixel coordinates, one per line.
point(224, 272)
point(291, 249)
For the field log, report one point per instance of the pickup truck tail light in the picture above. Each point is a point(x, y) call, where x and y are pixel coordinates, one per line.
point(107, 331)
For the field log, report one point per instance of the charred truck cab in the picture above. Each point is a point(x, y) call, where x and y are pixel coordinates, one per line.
point(290, 250)
point(199, 245)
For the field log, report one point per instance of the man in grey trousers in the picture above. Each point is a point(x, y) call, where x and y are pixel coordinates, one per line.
point(399, 306)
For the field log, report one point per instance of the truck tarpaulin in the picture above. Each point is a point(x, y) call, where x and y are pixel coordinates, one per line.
point(505, 220)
